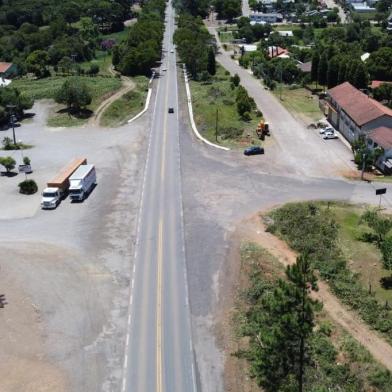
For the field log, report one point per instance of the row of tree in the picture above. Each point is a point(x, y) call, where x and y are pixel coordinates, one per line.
point(194, 44)
point(142, 48)
point(19, 102)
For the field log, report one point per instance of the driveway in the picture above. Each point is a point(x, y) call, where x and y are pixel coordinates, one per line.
point(298, 150)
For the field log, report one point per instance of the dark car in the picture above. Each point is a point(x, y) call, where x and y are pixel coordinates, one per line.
point(171, 110)
point(255, 150)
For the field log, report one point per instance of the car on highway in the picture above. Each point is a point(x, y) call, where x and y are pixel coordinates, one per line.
point(171, 50)
point(164, 69)
point(254, 150)
point(330, 135)
point(171, 110)
point(326, 129)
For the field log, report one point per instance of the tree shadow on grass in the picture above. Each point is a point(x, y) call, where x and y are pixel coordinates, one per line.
point(386, 282)
point(77, 113)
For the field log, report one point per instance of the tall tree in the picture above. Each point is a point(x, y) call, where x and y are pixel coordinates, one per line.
point(315, 65)
point(333, 72)
point(322, 69)
point(211, 64)
point(342, 71)
point(280, 328)
point(361, 78)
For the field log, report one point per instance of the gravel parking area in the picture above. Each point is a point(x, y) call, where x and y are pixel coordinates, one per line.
point(65, 272)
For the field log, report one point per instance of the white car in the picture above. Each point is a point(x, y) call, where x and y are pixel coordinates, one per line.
point(171, 50)
point(326, 129)
point(330, 135)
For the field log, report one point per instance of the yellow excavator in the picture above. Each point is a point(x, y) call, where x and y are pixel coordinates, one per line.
point(263, 129)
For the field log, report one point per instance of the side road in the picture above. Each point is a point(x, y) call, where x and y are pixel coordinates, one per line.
point(381, 350)
point(302, 150)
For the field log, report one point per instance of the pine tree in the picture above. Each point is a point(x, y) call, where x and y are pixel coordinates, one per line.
point(333, 72)
point(282, 328)
point(322, 69)
point(211, 65)
point(315, 64)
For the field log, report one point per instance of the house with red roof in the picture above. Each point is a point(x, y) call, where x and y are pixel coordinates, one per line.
point(377, 83)
point(7, 70)
point(382, 137)
point(355, 114)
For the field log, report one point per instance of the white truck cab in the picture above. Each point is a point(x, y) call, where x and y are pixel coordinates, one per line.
point(51, 198)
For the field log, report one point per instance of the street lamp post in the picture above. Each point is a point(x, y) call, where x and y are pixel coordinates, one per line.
point(12, 118)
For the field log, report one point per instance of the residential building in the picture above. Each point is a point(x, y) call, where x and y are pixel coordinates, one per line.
point(305, 67)
point(260, 17)
point(362, 7)
point(277, 51)
point(8, 70)
point(378, 83)
point(285, 33)
point(382, 137)
point(354, 114)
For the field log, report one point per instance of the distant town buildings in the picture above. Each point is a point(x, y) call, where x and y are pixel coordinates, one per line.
point(260, 17)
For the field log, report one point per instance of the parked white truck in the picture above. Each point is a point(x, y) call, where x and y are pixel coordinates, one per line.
point(82, 182)
point(58, 187)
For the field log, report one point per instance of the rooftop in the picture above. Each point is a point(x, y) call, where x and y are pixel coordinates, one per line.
point(378, 83)
point(276, 51)
point(4, 67)
point(305, 67)
point(358, 105)
point(382, 136)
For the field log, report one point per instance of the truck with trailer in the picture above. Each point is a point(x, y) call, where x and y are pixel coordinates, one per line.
point(58, 187)
point(82, 182)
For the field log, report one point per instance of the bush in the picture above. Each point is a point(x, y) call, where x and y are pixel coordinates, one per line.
point(309, 228)
point(26, 160)
point(28, 187)
point(235, 80)
point(8, 162)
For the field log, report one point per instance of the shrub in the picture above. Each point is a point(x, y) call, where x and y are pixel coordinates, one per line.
point(26, 160)
point(235, 80)
point(8, 162)
point(28, 187)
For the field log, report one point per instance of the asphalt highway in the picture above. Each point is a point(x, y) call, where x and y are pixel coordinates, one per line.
point(159, 352)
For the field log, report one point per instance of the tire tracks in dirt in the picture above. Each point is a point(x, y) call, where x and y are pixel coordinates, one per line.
point(253, 230)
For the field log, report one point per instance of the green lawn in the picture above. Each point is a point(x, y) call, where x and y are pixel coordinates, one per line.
point(363, 257)
point(207, 99)
point(99, 86)
point(128, 105)
point(300, 102)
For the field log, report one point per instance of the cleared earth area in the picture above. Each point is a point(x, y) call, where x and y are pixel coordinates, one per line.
point(65, 272)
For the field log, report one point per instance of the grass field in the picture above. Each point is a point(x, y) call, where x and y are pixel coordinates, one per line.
point(301, 103)
point(128, 105)
point(100, 88)
point(207, 98)
point(363, 257)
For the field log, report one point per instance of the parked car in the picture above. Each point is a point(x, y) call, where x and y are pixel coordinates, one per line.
point(330, 135)
point(326, 129)
point(254, 150)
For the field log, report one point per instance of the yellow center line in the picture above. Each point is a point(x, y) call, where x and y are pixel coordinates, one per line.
point(159, 375)
point(159, 309)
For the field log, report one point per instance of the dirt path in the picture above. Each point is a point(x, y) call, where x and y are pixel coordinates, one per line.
point(253, 230)
point(128, 85)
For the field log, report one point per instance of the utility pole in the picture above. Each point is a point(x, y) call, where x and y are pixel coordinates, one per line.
point(216, 125)
point(12, 119)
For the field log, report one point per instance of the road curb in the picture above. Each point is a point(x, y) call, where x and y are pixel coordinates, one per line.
point(190, 109)
point(147, 101)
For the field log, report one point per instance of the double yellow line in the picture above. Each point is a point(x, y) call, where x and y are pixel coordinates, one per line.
point(159, 372)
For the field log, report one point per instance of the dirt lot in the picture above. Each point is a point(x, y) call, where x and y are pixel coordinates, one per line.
point(65, 273)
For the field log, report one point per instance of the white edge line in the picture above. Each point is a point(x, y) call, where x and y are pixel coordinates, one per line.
point(187, 304)
point(145, 107)
point(193, 124)
point(141, 203)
